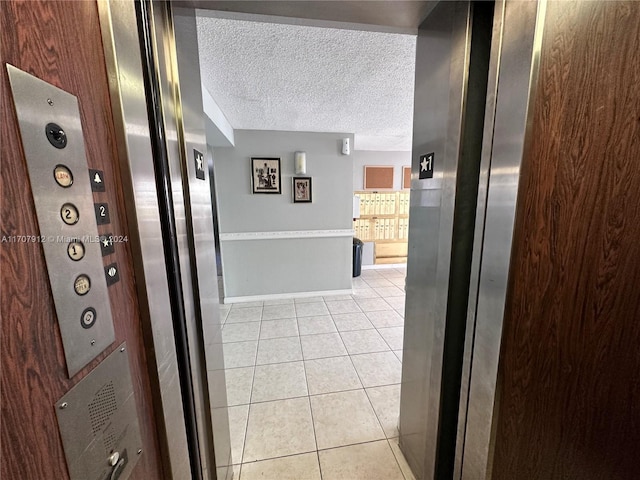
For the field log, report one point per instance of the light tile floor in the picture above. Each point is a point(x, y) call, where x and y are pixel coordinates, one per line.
point(313, 384)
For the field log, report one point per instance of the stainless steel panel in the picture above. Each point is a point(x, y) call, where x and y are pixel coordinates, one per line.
point(214, 436)
point(442, 56)
point(99, 423)
point(37, 104)
point(483, 184)
point(518, 66)
point(165, 50)
point(120, 39)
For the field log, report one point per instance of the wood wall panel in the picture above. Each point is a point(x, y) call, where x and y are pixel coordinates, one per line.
point(569, 382)
point(60, 43)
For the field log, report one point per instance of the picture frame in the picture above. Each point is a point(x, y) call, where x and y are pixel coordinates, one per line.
point(265, 175)
point(302, 190)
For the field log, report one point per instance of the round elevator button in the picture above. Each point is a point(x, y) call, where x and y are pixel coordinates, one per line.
point(63, 176)
point(69, 214)
point(88, 317)
point(82, 285)
point(76, 250)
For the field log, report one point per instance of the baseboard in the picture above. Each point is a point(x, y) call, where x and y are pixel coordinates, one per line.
point(286, 296)
point(384, 265)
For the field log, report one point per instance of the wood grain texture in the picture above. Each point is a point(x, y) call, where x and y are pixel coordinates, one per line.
point(569, 381)
point(60, 43)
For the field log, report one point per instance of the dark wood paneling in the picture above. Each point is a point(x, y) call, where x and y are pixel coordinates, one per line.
point(60, 43)
point(569, 383)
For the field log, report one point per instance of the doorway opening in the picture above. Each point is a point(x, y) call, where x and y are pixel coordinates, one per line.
point(312, 354)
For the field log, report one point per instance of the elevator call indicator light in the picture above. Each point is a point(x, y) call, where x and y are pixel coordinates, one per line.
point(63, 176)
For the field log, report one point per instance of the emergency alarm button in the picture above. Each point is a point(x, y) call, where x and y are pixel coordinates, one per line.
point(63, 176)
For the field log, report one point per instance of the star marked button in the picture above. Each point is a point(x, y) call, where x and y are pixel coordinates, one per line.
point(106, 244)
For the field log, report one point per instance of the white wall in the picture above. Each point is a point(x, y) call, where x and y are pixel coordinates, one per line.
point(365, 157)
point(320, 261)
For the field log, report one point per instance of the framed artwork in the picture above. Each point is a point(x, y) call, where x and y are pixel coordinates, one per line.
point(406, 177)
point(265, 175)
point(377, 177)
point(302, 190)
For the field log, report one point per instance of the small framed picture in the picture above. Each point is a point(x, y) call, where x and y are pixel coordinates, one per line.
point(302, 190)
point(265, 175)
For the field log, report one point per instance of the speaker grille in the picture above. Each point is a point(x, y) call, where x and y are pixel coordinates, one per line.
point(102, 407)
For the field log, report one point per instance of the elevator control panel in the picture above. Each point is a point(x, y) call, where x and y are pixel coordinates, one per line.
point(99, 424)
point(62, 187)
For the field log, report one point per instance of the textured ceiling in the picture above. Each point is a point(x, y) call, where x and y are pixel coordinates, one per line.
point(267, 76)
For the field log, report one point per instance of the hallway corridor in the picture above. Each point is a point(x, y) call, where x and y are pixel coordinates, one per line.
point(313, 384)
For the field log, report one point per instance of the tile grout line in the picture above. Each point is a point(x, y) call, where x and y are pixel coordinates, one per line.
point(299, 336)
point(313, 424)
point(318, 451)
point(367, 393)
point(312, 418)
point(387, 439)
point(315, 394)
point(373, 408)
point(253, 378)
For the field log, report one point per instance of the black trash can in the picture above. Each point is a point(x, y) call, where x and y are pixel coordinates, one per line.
point(357, 257)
